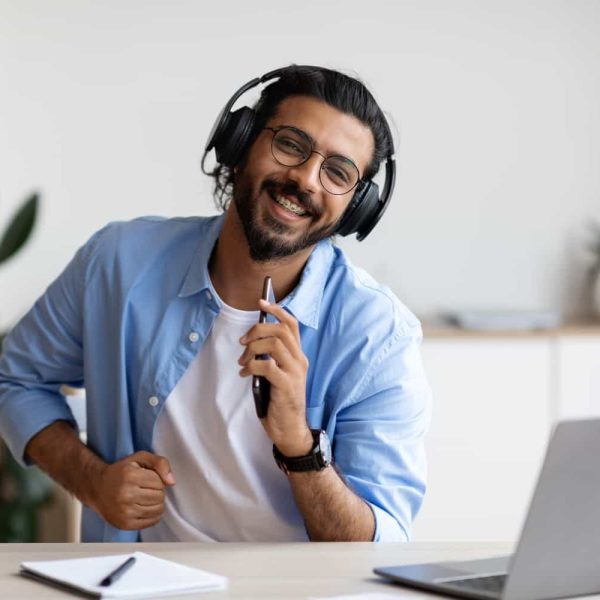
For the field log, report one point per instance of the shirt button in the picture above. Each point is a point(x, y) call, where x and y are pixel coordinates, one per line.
point(153, 401)
point(193, 337)
point(208, 295)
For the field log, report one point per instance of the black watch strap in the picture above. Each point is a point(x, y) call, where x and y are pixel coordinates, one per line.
point(317, 459)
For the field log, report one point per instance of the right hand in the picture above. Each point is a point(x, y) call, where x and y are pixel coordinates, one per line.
point(130, 493)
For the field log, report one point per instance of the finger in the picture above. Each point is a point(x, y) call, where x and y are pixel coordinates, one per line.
point(274, 330)
point(157, 463)
point(148, 512)
point(282, 315)
point(145, 523)
point(144, 478)
point(266, 368)
point(273, 347)
point(261, 330)
point(149, 497)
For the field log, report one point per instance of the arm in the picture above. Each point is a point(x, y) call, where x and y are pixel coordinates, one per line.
point(58, 451)
point(380, 421)
point(331, 510)
point(129, 494)
point(43, 351)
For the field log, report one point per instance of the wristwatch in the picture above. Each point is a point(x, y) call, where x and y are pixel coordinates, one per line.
point(317, 459)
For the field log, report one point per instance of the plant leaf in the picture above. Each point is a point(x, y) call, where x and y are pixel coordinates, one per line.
point(19, 229)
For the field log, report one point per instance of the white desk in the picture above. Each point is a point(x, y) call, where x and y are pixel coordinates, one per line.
point(282, 571)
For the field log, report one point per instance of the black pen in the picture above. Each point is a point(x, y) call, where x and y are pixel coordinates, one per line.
point(116, 574)
point(261, 386)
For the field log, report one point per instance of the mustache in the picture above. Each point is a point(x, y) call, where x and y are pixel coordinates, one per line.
point(289, 188)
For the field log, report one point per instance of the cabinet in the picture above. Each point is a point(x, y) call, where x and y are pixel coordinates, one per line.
point(496, 397)
point(577, 376)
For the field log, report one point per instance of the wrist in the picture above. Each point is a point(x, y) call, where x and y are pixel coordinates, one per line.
point(316, 459)
point(90, 488)
point(298, 445)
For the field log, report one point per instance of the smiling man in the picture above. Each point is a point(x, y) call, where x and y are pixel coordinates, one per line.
point(157, 318)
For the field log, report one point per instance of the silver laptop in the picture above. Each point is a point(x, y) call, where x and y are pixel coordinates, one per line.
point(558, 553)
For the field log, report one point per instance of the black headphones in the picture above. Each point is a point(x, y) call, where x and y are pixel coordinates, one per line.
point(233, 130)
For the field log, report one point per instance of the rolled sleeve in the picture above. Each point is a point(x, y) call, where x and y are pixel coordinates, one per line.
point(42, 352)
point(387, 527)
point(379, 438)
point(19, 422)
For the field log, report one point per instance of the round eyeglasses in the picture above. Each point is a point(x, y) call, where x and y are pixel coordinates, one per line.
point(291, 147)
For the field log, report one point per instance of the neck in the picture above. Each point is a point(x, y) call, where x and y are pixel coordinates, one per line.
point(238, 279)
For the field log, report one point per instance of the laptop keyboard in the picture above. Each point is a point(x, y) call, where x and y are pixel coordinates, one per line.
point(492, 584)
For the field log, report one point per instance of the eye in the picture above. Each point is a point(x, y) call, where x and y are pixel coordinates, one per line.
point(336, 173)
point(289, 145)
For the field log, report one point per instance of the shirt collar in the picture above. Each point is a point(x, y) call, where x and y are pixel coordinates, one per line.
point(304, 301)
point(197, 277)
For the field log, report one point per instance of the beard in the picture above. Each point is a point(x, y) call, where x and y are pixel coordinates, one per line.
point(271, 240)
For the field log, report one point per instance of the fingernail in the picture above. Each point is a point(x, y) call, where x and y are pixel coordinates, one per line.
point(243, 339)
point(170, 478)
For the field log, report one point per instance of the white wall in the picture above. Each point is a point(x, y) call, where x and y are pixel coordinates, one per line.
point(105, 107)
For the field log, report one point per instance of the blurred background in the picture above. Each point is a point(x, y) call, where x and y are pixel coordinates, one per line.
point(105, 108)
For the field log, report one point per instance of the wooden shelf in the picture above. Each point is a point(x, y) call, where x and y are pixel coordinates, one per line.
point(437, 329)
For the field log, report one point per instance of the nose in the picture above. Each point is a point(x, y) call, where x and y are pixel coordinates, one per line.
point(306, 175)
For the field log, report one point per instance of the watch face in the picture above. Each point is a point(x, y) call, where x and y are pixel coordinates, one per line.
point(325, 448)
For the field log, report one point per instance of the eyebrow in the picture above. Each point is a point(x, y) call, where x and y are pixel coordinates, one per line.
point(314, 143)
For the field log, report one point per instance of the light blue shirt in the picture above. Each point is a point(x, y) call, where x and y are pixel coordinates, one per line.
point(119, 320)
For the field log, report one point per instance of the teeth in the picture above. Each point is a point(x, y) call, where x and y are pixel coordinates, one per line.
point(290, 206)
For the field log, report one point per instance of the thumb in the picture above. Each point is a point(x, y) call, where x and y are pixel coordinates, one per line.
point(157, 463)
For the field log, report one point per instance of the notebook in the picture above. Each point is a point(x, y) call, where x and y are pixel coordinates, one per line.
point(149, 576)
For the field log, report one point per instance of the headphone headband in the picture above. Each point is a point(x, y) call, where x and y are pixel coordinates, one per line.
point(233, 130)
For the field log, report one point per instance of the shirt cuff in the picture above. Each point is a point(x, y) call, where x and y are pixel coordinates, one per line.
point(387, 529)
point(28, 417)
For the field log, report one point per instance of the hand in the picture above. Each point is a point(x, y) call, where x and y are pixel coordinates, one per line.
point(130, 493)
point(286, 370)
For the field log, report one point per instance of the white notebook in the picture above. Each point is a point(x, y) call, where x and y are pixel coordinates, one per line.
point(148, 576)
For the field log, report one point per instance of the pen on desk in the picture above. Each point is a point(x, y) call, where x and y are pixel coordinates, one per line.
point(116, 574)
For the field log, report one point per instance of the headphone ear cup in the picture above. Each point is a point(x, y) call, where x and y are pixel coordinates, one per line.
point(234, 136)
point(359, 212)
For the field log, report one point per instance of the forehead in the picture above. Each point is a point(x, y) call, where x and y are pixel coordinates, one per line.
point(334, 131)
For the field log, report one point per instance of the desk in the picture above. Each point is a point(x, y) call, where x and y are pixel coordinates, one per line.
point(282, 571)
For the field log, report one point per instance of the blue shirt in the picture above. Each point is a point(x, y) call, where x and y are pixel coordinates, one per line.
point(118, 321)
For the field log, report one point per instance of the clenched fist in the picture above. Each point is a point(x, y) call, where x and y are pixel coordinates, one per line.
point(130, 493)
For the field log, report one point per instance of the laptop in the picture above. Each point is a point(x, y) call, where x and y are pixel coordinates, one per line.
point(558, 553)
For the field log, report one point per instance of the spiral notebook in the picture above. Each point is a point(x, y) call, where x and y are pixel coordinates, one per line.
point(149, 576)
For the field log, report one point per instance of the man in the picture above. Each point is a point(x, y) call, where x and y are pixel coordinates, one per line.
point(158, 320)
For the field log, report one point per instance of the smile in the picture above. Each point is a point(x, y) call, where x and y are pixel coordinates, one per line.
point(289, 205)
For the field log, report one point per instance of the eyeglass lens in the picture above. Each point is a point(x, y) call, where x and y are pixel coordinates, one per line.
point(291, 147)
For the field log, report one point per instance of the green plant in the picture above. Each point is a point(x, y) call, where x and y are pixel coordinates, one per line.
point(21, 490)
point(17, 232)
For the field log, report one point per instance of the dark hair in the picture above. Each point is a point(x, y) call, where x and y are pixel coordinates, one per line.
point(340, 91)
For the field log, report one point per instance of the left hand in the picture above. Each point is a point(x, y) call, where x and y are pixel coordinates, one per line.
point(286, 370)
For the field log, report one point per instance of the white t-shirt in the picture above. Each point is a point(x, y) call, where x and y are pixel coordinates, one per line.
point(228, 486)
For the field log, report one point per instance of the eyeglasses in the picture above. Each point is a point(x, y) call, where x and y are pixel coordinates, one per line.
point(291, 147)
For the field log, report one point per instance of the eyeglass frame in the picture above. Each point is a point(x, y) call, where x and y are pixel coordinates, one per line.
point(276, 130)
